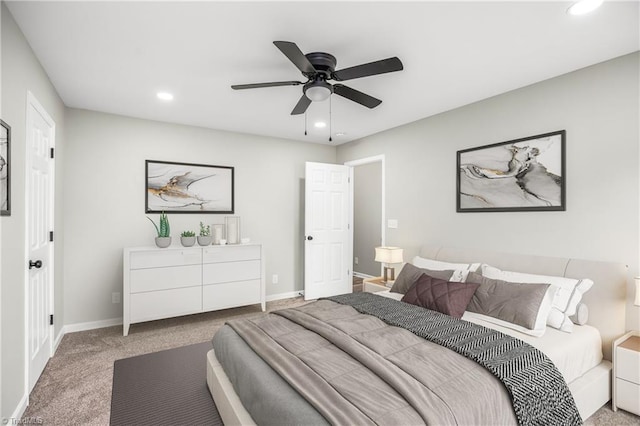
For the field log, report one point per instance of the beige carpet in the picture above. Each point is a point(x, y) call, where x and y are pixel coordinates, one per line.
point(75, 388)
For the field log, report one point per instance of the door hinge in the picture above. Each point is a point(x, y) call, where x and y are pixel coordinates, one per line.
point(51, 236)
point(51, 153)
point(50, 319)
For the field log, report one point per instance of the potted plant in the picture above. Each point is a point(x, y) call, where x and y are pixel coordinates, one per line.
point(188, 238)
point(163, 240)
point(204, 239)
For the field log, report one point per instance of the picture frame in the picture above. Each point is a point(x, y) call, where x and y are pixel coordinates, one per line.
point(520, 175)
point(172, 187)
point(5, 169)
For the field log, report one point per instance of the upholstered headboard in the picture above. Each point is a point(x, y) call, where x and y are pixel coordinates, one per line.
point(606, 299)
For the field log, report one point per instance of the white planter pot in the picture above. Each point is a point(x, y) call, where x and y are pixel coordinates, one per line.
point(187, 241)
point(204, 241)
point(163, 242)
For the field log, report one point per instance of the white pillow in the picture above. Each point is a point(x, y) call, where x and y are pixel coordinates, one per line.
point(568, 294)
point(582, 314)
point(460, 270)
point(536, 332)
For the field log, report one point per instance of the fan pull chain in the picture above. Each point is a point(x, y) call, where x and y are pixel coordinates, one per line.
point(330, 119)
point(305, 123)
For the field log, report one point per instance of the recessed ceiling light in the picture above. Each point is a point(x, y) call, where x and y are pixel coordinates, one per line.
point(165, 96)
point(584, 6)
point(320, 124)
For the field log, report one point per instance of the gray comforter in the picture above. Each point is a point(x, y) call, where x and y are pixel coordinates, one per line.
point(355, 369)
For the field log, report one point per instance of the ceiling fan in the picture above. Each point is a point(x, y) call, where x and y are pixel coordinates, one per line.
point(318, 67)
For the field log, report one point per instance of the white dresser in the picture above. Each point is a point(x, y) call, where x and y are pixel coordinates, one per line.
point(169, 282)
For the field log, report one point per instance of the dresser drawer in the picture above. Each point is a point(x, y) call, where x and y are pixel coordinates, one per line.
point(628, 396)
point(230, 253)
point(141, 280)
point(628, 365)
point(213, 273)
point(164, 257)
point(220, 296)
point(165, 304)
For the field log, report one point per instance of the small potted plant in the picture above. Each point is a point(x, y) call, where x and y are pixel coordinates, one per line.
point(163, 240)
point(204, 239)
point(188, 238)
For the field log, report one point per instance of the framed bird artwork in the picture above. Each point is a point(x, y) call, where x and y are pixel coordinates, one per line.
point(188, 188)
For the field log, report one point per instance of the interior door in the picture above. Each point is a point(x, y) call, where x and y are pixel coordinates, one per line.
point(328, 248)
point(40, 141)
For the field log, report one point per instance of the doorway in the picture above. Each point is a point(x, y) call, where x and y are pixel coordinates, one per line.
point(368, 213)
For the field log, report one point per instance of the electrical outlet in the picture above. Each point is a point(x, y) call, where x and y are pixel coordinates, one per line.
point(115, 297)
point(274, 279)
point(356, 261)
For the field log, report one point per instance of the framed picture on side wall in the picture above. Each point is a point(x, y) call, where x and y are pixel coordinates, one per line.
point(5, 169)
point(526, 174)
point(188, 188)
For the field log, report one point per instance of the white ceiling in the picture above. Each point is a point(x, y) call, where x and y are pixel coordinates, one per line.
point(114, 56)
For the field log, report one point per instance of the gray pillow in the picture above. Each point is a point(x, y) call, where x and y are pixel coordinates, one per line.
point(410, 275)
point(517, 303)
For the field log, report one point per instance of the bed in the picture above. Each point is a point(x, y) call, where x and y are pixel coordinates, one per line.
point(582, 357)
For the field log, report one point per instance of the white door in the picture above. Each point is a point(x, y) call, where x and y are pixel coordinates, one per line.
point(327, 257)
point(40, 141)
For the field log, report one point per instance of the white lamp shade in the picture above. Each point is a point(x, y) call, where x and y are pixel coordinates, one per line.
point(388, 254)
point(637, 301)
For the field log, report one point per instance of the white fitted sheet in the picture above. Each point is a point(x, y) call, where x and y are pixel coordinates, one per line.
point(572, 353)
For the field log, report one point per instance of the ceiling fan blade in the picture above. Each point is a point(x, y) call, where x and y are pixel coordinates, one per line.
point(356, 96)
point(295, 55)
point(301, 106)
point(273, 84)
point(365, 70)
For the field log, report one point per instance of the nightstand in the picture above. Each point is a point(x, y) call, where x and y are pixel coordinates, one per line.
point(375, 284)
point(626, 373)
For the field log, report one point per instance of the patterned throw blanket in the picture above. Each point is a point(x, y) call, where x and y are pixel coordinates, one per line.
point(538, 391)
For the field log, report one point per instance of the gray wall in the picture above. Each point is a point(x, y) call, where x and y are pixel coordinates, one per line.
point(104, 199)
point(598, 107)
point(367, 216)
point(21, 72)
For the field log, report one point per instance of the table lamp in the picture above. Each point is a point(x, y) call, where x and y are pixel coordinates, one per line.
point(388, 255)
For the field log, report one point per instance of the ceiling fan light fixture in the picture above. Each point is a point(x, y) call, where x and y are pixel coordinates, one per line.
point(583, 7)
point(318, 91)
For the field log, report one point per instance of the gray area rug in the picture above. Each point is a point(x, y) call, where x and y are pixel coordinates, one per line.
point(164, 388)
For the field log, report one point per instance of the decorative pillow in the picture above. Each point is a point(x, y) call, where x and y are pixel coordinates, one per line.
point(450, 298)
point(568, 295)
point(410, 274)
point(437, 265)
point(581, 316)
point(525, 305)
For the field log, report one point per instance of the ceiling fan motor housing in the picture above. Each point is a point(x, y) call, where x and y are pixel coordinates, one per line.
point(324, 63)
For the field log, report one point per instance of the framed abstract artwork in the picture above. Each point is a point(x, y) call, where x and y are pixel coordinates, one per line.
point(188, 188)
point(5, 169)
point(526, 174)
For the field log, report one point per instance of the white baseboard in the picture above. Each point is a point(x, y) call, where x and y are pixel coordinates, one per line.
point(280, 296)
point(58, 339)
point(91, 325)
point(362, 275)
point(21, 408)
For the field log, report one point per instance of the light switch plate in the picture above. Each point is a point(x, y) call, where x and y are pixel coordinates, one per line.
point(392, 223)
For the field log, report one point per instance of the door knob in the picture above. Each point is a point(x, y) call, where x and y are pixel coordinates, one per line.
point(309, 238)
point(37, 264)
